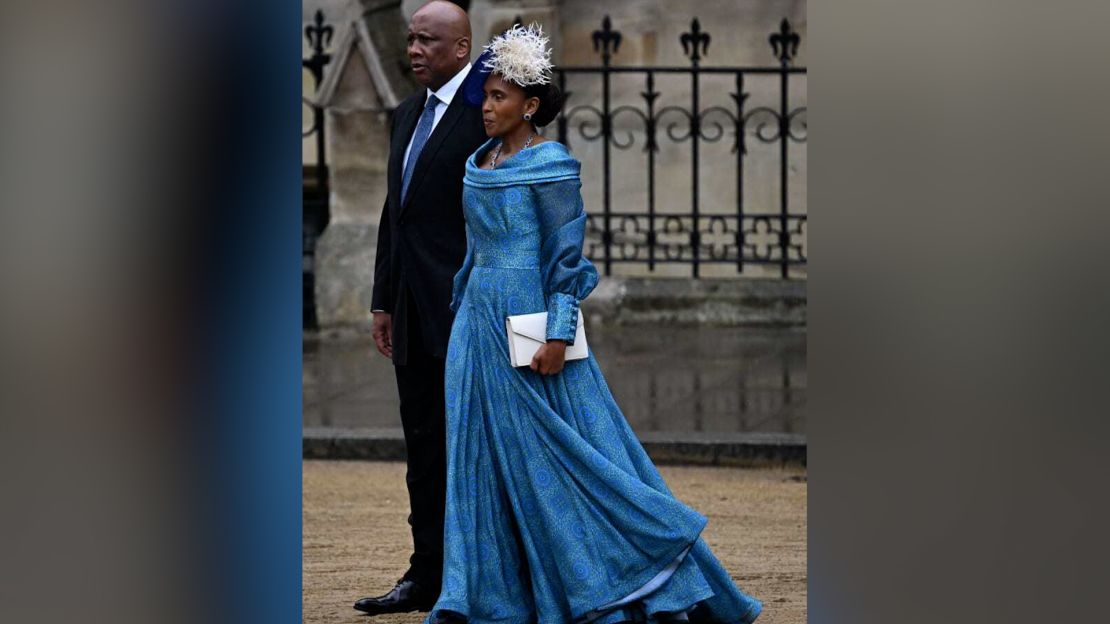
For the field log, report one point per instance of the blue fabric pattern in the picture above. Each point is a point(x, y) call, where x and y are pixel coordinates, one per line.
point(555, 514)
point(419, 138)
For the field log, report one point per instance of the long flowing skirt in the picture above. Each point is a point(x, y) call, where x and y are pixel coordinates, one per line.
point(555, 514)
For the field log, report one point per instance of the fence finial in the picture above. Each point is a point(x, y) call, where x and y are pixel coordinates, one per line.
point(606, 36)
point(318, 34)
point(785, 42)
point(694, 39)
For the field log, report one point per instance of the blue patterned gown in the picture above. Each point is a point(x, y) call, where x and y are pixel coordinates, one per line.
point(555, 514)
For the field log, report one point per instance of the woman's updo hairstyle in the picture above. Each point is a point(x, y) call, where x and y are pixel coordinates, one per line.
point(551, 102)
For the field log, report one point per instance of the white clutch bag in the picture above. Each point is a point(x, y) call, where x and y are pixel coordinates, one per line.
point(527, 332)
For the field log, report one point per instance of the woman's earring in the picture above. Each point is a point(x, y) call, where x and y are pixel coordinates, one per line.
point(527, 116)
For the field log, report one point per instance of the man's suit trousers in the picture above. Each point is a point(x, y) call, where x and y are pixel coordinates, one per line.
point(420, 386)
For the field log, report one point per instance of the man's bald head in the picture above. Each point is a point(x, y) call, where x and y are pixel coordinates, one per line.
point(438, 42)
point(448, 13)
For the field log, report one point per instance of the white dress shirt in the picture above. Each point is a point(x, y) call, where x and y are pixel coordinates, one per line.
point(445, 94)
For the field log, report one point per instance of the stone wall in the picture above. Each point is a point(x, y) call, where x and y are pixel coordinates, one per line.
point(357, 153)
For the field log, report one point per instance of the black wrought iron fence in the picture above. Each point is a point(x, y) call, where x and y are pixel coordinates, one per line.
point(622, 233)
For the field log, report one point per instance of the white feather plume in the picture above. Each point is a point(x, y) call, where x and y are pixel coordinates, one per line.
point(520, 55)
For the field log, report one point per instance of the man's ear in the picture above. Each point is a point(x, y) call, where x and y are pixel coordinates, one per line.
point(463, 49)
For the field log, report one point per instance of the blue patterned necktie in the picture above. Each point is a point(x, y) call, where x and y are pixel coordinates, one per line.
point(423, 131)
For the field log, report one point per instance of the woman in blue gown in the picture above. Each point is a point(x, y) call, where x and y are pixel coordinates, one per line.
point(555, 514)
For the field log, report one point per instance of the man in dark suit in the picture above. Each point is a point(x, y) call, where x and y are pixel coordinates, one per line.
point(421, 245)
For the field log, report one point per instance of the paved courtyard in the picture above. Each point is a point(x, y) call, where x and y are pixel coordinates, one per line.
point(356, 540)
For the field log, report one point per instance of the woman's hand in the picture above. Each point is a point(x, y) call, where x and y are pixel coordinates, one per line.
point(550, 357)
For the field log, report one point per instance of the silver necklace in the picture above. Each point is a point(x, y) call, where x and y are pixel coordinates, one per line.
point(497, 150)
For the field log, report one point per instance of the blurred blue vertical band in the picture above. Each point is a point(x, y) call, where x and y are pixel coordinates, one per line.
point(253, 453)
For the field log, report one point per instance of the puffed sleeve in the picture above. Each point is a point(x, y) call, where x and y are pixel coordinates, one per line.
point(461, 277)
point(568, 276)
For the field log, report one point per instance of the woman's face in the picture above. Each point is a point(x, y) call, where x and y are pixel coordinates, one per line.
point(504, 106)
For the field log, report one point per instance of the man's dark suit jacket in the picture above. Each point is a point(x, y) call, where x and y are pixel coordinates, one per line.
point(422, 242)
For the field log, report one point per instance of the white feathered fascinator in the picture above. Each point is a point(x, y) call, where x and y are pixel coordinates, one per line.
point(520, 55)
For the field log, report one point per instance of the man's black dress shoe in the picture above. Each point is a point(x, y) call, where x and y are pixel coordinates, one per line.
point(405, 597)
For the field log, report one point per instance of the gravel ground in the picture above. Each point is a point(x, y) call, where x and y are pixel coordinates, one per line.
point(356, 540)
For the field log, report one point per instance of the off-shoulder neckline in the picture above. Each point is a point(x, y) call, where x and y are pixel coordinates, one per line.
point(531, 165)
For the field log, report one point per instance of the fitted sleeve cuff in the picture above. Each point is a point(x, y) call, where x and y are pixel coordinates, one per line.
point(562, 317)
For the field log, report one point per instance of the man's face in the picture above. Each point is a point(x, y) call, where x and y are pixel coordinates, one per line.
point(435, 50)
